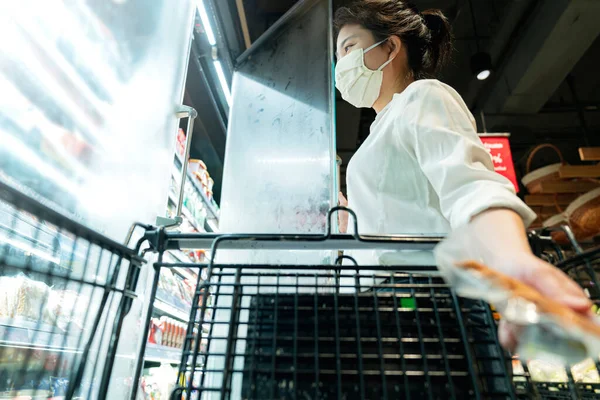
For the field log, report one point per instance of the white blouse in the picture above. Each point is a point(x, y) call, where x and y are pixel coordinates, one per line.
point(423, 169)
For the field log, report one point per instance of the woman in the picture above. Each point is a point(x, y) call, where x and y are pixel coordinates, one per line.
point(423, 169)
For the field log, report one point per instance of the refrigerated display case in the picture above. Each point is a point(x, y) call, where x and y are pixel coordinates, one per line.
point(90, 96)
point(199, 214)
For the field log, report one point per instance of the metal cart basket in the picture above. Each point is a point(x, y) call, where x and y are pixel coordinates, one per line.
point(343, 332)
point(65, 292)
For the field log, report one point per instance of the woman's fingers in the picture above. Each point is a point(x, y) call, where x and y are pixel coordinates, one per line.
point(508, 335)
point(549, 281)
point(555, 284)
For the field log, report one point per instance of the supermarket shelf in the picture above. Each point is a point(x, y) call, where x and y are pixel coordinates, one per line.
point(181, 257)
point(214, 214)
point(30, 334)
point(187, 215)
point(184, 272)
point(212, 225)
point(162, 354)
point(211, 210)
point(171, 310)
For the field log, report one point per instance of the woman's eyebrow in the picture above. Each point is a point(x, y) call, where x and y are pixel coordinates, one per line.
point(348, 38)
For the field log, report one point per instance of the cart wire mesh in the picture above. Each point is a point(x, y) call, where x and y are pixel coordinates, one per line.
point(304, 333)
point(348, 332)
point(65, 291)
point(581, 381)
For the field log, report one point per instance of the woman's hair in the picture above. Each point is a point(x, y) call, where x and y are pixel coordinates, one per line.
point(427, 35)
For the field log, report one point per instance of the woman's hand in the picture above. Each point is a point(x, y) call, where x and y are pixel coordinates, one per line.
point(342, 215)
point(497, 237)
point(548, 280)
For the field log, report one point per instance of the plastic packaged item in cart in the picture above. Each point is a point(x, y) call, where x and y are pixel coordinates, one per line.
point(583, 372)
point(544, 371)
point(550, 331)
point(586, 372)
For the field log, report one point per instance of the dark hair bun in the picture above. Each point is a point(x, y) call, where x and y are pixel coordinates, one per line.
point(440, 45)
point(427, 36)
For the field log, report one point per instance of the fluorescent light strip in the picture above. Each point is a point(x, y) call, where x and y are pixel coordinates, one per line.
point(223, 81)
point(206, 23)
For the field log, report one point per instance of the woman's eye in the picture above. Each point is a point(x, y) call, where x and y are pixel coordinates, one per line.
point(348, 47)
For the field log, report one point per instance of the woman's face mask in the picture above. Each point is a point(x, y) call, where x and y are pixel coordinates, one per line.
point(359, 85)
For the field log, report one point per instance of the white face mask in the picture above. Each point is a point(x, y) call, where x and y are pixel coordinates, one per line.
point(359, 85)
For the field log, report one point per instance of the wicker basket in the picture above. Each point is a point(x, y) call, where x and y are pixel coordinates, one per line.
point(533, 179)
point(584, 214)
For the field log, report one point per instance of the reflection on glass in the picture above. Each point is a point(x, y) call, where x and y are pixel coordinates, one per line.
point(87, 94)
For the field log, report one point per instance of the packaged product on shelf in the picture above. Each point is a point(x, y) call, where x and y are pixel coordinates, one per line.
point(168, 289)
point(201, 256)
point(158, 383)
point(197, 167)
point(186, 226)
point(180, 335)
point(155, 334)
point(21, 297)
point(165, 331)
point(203, 181)
point(181, 139)
point(183, 287)
point(69, 307)
point(171, 330)
point(197, 256)
point(187, 288)
point(163, 325)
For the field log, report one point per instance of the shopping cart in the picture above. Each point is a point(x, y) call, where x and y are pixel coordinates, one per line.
point(343, 332)
point(65, 291)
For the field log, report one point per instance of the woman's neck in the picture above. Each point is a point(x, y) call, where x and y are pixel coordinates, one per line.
point(387, 95)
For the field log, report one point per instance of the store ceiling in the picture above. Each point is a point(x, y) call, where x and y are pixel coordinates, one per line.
point(546, 54)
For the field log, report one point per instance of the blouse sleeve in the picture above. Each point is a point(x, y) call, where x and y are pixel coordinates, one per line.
point(459, 168)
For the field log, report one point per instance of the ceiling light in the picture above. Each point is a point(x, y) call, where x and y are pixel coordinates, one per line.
point(483, 75)
point(481, 65)
point(206, 23)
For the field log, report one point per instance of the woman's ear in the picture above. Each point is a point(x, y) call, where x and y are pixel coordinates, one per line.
point(395, 45)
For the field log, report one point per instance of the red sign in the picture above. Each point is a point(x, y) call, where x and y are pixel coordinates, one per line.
point(499, 148)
